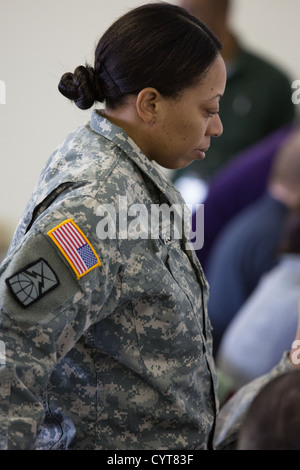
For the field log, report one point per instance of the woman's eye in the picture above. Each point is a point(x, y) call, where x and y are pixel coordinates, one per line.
point(211, 113)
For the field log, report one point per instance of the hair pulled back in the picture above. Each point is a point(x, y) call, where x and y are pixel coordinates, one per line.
point(156, 45)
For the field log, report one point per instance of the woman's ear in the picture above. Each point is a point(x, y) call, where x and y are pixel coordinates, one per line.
point(147, 105)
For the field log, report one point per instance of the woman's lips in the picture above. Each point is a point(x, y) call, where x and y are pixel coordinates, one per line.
point(201, 153)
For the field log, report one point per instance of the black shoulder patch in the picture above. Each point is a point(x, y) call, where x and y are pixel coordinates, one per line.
point(33, 282)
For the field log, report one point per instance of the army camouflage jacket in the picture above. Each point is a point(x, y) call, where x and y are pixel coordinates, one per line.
point(104, 341)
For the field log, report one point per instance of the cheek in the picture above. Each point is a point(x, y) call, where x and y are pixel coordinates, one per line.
point(192, 131)
point(173, 132)
point(179, 132)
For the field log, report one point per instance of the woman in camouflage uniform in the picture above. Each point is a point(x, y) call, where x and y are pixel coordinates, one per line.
point(105, 341)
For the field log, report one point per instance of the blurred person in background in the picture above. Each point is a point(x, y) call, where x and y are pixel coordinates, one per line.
point(247, 248)
point(281, 410)
point(273, 419)
point(257, 100)
point(265, 325)
point(236, 185)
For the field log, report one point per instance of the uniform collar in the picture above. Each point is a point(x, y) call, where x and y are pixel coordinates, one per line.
point(118, 136)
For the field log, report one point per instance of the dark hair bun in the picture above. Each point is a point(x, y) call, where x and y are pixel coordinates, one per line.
point(80, 87)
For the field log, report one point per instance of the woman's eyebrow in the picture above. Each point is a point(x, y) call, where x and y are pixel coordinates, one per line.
point(218, 95)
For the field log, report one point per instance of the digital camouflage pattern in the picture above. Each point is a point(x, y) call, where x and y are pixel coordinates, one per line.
point(121, 357)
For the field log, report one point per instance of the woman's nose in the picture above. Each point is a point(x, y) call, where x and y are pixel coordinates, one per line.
point(215, 126)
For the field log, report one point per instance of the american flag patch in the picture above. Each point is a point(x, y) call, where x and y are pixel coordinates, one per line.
point(75, 247)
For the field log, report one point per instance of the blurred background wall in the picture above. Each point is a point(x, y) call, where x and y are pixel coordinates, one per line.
point(42, 39)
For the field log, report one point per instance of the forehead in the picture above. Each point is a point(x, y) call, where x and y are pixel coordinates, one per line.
point(213, 83)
